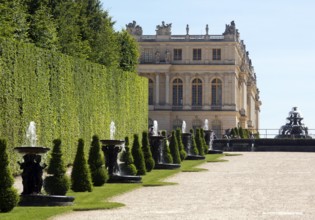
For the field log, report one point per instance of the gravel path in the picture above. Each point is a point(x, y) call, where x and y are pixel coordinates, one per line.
point(255, 185)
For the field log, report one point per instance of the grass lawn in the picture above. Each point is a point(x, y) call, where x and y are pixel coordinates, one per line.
point(97, 199)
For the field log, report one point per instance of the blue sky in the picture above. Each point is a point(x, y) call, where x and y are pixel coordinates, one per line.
point(279, 35)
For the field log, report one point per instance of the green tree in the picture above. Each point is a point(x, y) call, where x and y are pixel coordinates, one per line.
point(98, 30)
point(67, 16)
point(174, 149)
point(149, 162)
point(8, 195)
point(138, 156)
point(199, 142)
point(127, 167)
point(57, 182)
point(96, 163)
point(80, 175)
point(129, 51)
point(13, 20)
point(43, 30)
point(193, 148)
point(181, 147)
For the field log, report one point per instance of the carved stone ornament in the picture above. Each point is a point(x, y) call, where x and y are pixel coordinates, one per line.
point(134, 29)
point(164, 29)
point(230, 29)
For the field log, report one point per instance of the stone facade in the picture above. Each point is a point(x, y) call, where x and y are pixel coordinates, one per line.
point(198, 77)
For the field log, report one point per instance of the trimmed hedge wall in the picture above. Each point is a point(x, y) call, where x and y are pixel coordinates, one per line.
point(68, 98)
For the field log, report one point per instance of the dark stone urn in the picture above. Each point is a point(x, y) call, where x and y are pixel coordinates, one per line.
point(157, 146)
point(186, 139)
point(32, 179)
point(111, 148)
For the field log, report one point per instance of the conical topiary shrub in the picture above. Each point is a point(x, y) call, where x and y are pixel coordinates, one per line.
point(174, 149)
point(8, 195)
point(241, 132)
point(167, 157)
point(146, 149)
point(233, 133)
point(127, 167)
point(237, 134)
point(193, 147)
point(138, 156)
point(80, 175)
point(96, 163)
point(203, 140)
point(199, 142)
point(56, 183)
point(181, 147)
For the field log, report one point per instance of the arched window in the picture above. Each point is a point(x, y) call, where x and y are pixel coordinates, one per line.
point(217, 128)
point(196, 92)
point(177, 92)
point(177, 123)
point(150, 92)
point(216, 90)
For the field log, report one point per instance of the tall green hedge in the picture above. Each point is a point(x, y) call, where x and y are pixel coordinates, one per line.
point(67, 97)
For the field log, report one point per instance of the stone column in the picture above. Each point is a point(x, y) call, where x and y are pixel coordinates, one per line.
point(187, 91)
point(167, 88)
point(157, 89)
point(206, 92)
point(244, 96)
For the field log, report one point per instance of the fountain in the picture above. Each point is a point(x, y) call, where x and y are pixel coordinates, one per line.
point(157, 142)
point(32, 174)
point(186, 139)
point(111, 149)
point(294, 128)
point(209, 137)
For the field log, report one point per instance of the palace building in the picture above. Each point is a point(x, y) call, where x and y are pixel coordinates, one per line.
point(197, 77)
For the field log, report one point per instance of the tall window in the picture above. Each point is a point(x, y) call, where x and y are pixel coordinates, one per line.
point(216, 90)
point(197, 54)
point(177, 54)
point(177, 92)
point(147, 55)
point(216, 54)
point(196, 92)
point(150, 92)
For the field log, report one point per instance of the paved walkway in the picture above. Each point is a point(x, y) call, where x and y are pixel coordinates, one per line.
point(255, 185)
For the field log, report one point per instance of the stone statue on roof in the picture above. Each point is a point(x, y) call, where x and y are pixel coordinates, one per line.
point(164, 29)
point(231, 29)
point(134, 29)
